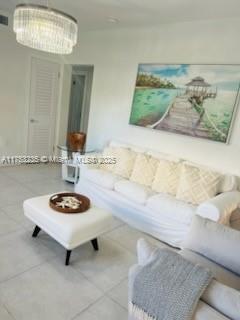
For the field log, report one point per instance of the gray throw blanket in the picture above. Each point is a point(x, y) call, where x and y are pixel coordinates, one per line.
point(168, 287)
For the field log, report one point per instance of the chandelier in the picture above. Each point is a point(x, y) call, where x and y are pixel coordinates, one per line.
point(45, 29)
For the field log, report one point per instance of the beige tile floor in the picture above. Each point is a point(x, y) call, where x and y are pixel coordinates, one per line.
point(34, 283)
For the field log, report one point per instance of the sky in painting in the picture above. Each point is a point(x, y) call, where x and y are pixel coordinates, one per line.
point(224, 77)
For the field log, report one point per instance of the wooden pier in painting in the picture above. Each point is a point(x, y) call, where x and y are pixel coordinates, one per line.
point(182, 117)
point(185, 114)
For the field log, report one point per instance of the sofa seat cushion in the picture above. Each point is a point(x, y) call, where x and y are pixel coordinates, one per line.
point(133, 191)
point(101, 177)
point(169, 206)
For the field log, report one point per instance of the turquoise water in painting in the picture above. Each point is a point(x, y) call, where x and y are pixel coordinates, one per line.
point(151, 103)
point(220, 111)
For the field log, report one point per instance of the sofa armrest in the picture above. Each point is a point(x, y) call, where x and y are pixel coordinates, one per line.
point(220, 207)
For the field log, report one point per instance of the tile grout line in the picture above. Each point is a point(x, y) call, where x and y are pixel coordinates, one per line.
point(87, 307)
point(123, 247)
point(27, 270)
point(8, 311)
point(108, 293)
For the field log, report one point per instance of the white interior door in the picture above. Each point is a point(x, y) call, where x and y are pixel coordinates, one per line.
point(44, 91)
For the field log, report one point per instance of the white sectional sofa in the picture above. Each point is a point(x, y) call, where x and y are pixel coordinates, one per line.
point(162, 214)
point(214, 247)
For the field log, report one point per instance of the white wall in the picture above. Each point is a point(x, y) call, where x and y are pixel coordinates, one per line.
point(15, 62)
point(115, 56)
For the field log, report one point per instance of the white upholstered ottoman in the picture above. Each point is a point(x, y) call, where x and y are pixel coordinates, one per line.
point(70, 230)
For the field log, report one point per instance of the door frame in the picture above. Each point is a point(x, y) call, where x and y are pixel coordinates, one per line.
point(28, 97)
point(87, 71)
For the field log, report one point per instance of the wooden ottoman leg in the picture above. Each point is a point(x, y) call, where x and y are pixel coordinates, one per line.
point(36, 231)
point(95, 244)
point(68, 254)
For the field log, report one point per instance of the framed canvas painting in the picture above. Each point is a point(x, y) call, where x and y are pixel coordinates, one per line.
point(195, 100)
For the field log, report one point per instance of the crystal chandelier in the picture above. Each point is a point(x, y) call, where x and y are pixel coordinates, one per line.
point(45, 29)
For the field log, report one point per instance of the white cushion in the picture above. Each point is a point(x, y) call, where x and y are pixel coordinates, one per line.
point(107, 161)
point(223, 298)
point(133, 191)
point(228, 182)
point(221, 274)
point(102, 178)
point(221, 207)
point(205, 312)
point(144, 169)
point(167, 177)
point(165, 204)
point(70, 230)
point(197, 185)
point(215, 241)
point(125, 159)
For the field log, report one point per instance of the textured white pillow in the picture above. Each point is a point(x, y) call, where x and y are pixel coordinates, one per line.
point(167, 177)
point(125, 159)
point(215, 241)
point(197, 184)
point(228, 182)
point(109, 153)
point(144, 169)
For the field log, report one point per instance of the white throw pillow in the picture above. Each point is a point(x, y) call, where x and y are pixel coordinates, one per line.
point(197, 184)
point(215, 241)
point(107, 161)
point(144, 169)
point(167, 177)
point(125, 159)
point(227, 183)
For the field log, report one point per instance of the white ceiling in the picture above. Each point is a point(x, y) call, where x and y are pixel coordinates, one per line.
point(94, 14)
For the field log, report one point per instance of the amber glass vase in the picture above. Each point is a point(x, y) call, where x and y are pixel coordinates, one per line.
point(76, 141)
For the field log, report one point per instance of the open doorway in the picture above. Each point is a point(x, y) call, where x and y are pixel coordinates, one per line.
point(81, 87)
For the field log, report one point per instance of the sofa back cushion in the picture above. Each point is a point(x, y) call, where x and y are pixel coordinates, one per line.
point(167, 177)
point(119, 144)
point(215, 241)
point(197, 184)
point(144, 169)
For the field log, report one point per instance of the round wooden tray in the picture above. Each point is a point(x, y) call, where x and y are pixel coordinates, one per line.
point(84, 206)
